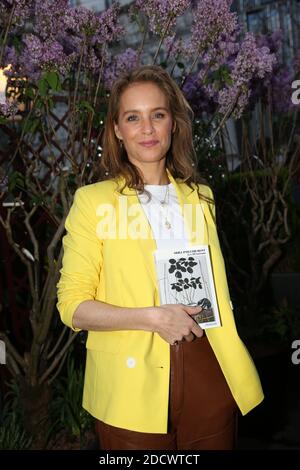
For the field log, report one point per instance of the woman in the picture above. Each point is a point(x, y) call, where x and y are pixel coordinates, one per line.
point(153, 379)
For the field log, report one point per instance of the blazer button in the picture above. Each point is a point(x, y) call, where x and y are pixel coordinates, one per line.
point(130, 362)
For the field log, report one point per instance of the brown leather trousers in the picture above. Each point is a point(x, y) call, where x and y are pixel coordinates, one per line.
point(202, 411)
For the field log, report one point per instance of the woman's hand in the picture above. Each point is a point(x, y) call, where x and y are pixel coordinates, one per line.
point(173, 322)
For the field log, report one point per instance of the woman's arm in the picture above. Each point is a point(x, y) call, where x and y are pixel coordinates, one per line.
point(96, 315)
point(171, 322)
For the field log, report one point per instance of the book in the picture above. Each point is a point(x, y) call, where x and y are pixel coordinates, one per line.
point(185, 276)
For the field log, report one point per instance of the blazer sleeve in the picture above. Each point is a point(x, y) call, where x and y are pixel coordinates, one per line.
point(82, 258)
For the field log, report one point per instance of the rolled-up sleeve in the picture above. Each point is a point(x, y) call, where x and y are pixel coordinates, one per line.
point(82, 258)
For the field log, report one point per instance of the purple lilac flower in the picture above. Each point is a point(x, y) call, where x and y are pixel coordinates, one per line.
point(50, 17)
point(197, 96)
point(8, 109)
point(82, 22)
point(120, 64)
point(275, 88)
point(251, 62)
point(62, 36)
point(160, 12)
point(273, 41)
point(110, 30)
point(222, 52)
point(173, 46)
point(10, 56)
point(282, 90)
point(213, 22)
point(44, 55)
point(22, 10)
point(88, 32)
point(98, 28)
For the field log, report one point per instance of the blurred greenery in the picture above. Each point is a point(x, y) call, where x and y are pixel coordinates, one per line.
point(12, 434)
point(66, 407)
point(258, 315)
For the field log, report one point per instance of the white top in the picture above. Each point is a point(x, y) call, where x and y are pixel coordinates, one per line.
point(174, 237)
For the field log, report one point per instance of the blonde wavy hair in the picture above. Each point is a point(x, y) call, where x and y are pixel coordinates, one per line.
point(181, 157)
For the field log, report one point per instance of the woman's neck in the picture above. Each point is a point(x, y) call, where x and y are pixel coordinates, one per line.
point(157, 180)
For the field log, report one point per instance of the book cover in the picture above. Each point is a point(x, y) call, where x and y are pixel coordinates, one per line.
point(185, 276)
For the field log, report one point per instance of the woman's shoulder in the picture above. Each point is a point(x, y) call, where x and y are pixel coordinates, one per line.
point(203, 189)
point(90, 196)
point(105, 187)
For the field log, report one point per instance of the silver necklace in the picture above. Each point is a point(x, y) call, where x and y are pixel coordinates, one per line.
point(164, 208)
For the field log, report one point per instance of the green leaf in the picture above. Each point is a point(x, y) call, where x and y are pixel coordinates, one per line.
point(43, 86)
point(50, 103)
point(17, 43)
point(30, 125)
point(29, 92)
point(37, 200)
point(53, 80)
point(15, 179)
point(85, 105)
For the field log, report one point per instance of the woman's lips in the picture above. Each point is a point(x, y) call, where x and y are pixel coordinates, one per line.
point(150, 143)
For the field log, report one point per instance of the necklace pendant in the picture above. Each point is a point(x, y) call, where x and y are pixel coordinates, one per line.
point(167, 224)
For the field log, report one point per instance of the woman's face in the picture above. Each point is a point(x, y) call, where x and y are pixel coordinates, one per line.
point(145, 123)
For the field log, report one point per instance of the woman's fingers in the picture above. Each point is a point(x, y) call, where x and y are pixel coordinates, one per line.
point(189, 338)
point(197, 330)
point(179, 325)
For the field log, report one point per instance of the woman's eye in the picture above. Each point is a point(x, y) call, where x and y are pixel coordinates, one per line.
point(132, 116)
point(159, 115)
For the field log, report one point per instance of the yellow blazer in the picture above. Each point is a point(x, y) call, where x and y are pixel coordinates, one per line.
point(127, 372)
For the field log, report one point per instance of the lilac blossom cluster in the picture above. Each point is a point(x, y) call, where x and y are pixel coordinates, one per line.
point(119, 65)
point(251, 62)
point(281, 88)
point(174, 47)
point(61, 38)
point(41, 55)
point(50, 18)
point(275, 89)
point(241, 66)
point(22, 9)
point(198, 97)
point(214, 30)
point(8, 109)
point(229, 71)
point(162, 14)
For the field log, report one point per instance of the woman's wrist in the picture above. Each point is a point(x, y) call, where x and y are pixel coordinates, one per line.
point(152, 318)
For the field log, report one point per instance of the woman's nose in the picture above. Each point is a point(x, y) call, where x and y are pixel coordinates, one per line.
point(147, 126)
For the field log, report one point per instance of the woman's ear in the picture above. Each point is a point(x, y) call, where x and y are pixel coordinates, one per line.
point(117, 132)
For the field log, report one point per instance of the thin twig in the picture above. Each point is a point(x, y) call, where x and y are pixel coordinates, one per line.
point(6, 31)
point(162, 37)
point(58, 358)
point(57, 344)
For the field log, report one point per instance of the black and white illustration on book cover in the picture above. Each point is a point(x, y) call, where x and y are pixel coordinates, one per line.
point(185, 276)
